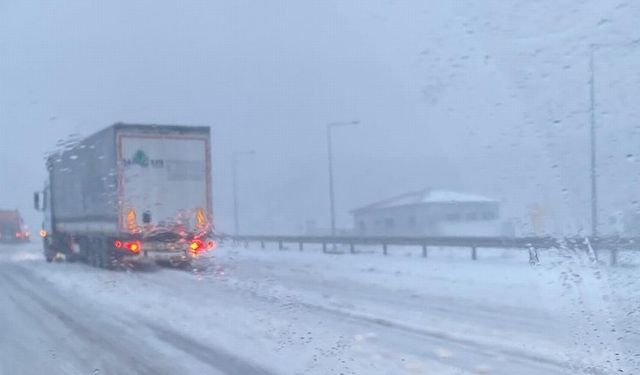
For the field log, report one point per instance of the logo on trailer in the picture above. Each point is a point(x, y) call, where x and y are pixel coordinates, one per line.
point(142, 159)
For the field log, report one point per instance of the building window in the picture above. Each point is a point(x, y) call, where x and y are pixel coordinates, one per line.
point(388, 223)
point(363, 226)
point(471, 216)
point(453, 216)
point(412, 221)
point(489, 215)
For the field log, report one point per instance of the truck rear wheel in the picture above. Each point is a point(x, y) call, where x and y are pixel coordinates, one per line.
point(48, 252)
point(92, 256)
point(110, 259)
point(96, 251)
point(101, 262)
point(71, 258)
point(183, 264)
point(103, 256)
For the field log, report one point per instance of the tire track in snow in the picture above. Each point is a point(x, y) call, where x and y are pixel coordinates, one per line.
point(224, 362)
point(85, 331)
point(469, 350)
point(530, 359)
point(219, 360)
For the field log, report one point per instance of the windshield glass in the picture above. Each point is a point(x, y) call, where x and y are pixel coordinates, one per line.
point(320, 187)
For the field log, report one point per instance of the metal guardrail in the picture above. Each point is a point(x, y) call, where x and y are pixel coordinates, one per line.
point(533, 244)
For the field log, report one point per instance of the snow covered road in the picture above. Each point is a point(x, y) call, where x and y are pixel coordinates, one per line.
point(272, 312)
point(47, 329)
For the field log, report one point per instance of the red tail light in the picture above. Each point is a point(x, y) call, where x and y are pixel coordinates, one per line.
point(211, 244)
point(18, 234)
point(196, 245)
point(134, 246)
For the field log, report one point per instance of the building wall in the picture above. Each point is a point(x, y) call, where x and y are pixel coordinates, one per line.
point(431, 219)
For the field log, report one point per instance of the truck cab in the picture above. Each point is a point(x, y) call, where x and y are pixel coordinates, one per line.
point(42, 203)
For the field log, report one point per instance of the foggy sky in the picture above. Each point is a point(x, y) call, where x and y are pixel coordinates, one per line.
point(484, 97)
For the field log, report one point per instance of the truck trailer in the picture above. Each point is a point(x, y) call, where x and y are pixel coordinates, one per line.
point(130, 192)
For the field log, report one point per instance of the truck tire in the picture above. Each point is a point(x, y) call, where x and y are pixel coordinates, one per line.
point(71, 258)
point(102, 257)
point(110, 259)
point(184, 265)
point(49, 254)
point(91, 256)
point(84, 250)
point(96, 249)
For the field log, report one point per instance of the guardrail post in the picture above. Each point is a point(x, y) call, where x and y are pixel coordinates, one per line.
point(474, 253)
point(352, 248)
point(300, 246)
point(262, 244)
point(533, 256)
point(614, 257)
point(280, 245)
point(424, 250)
point(246, 244)
point(384, 248)
point(324, 247)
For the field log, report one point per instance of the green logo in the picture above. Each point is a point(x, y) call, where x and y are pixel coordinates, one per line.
point(140, 158)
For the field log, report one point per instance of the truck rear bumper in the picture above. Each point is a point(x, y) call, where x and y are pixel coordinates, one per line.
point(171, 251)
point(152, 256)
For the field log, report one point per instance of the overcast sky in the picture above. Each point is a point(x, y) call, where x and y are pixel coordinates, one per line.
point(483, 97)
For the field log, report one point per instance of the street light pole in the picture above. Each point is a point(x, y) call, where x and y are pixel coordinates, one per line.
point(234, 171)
point(332, 209)
point(592, 105)
point(592, 109)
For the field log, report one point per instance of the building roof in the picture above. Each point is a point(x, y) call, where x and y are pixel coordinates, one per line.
point(425, 196)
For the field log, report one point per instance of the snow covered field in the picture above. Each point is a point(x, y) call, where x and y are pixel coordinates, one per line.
point(254, 311)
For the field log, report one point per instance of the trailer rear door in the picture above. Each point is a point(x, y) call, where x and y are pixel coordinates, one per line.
point(165, 176)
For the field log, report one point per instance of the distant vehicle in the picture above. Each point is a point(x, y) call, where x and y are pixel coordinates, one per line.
point(130, 192)
point(12, 228)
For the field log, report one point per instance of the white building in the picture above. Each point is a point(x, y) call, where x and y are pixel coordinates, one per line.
point(430, 213)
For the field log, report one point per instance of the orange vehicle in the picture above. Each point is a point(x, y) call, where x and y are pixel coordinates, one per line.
point(12, 228)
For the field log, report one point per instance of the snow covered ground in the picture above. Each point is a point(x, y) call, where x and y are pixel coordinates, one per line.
point(254, 311)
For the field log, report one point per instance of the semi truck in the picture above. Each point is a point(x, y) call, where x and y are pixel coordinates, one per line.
point(12, 228)
point(131, 192)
